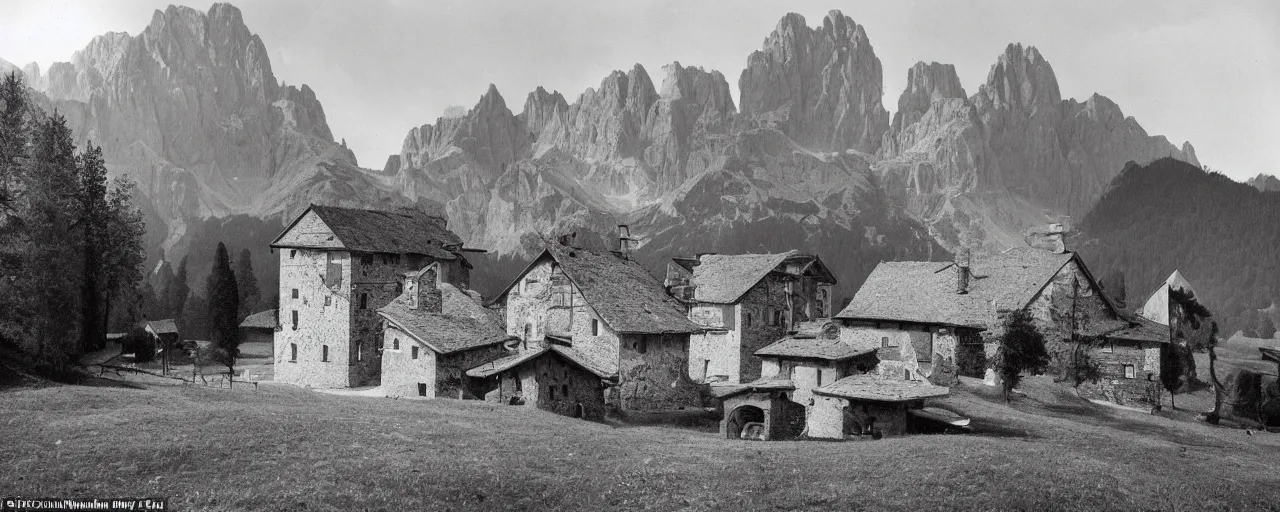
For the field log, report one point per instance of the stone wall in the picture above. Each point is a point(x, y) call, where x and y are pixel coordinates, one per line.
point(914, 351)
point(806, 374)
point(715, 355)
point(826, 418)
point(756, 317)
point(652, 373)
point(451, 378)
point(568, 390)
point(401, 373)
point(519, 383)
point(323, 319)
point(1053, 309)
point(1114, 386)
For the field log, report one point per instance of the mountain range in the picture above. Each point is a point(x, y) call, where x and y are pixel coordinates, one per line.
point(808, 159)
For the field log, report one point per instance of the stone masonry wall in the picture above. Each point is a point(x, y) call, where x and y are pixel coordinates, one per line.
point(759, 304)
point(401, 373)
point(451, 379)
point(1114, 386)
point(652, 373)
point(566, 389)
point(323, 319)
point(716, 353)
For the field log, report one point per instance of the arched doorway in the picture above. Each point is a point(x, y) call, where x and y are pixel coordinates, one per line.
point(740, 418)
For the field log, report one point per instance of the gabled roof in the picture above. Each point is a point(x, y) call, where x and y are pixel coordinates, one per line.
point(868, 386)
point(443, 333)
point(622, 293)
point(398, 231)
point(1156, 308)
point(925, 292)
point(798, 347)
point(261, 320)
point(569, 354)
point(166, 326)
point(725, 278)
point(1141, 329)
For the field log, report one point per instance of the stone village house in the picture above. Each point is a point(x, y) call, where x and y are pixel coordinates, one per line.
point(433, 333)
point(553, 376)
point(338, 266)
point(612, 313)
point(744, 302)
point(946, 318)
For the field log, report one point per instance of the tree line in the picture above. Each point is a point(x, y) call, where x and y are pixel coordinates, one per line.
point(70, 238)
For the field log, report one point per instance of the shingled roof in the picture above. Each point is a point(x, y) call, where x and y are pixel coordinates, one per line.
point(1141, 329)
point(761, 384)
point(398, 231)
point(568, 353)
point(166, 326)
point(867, 386)
point(724, 278)
point(444, 333)
point(925, 291)
point(623, 293)
point(261, 320)
point(807, 347)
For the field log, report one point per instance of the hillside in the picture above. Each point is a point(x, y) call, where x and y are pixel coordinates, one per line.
point(277, 447)
point(1168, 215)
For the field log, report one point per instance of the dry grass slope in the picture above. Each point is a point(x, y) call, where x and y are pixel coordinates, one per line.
point(282, 448)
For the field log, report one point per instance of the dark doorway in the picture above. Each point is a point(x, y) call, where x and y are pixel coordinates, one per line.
point(422, 388)
point(740, 418)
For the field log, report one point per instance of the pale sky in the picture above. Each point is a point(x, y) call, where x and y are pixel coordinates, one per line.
point(1200, 71)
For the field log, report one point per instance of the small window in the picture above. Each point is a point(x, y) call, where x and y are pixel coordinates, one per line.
point(777, 318)
point(422, 389)
point(747, 323)
point(1108, 347)
point(884, 342)
point(395, 344)
point(366, 259)
point(519, 385)
point(414, 350)
point(328, 301)
point(359, 352)
point(293, 352)
point(641, 345)
point(364, 301)
point(822, 372)
point(564, 390)
point(595, 327)
point(552, 389)
point(294, 315)
point(324, 353)
point(293, 254)
point(1129, 371)
point(399, 287)
point(295, 293)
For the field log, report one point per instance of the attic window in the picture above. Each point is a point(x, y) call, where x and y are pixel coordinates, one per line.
point(595, 327)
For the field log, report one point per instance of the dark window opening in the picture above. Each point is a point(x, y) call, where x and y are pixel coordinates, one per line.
point(364, 301)
point(552, 390)
point(293, 352)
point(399, 287)
point(328, 301)
point(415, 351)
point(324, 353)
point(422, 389)
point(595, 327)
point(294, 316)
point(295, 293)
point(748, 322)
point(884, 342)
point(564, 390)
point(366, 259)
point(519, 385)
point(395, 344)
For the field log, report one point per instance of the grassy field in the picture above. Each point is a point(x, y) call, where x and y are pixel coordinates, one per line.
point(283, 448)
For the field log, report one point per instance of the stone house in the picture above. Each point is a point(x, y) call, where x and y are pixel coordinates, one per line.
point(338, 266)
point(259, 327)
point(614, 313)
point(946, 318)
point(431, 334)
point(761, 410)
point(744, 302)
point(814, 356)
point(867, 404)
point(553, 377)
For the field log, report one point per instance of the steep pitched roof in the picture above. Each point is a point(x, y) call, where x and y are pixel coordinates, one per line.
point(623, 293)
point(1141, 329)
point(1156, 308)
point(868, 386)
point(400, 231)
point(166, 326)
point(925, 292)
point(761, 384)
point(444, 333)
point(261, 320)
point(569, 354)
point(811, 348)
point(724, 278)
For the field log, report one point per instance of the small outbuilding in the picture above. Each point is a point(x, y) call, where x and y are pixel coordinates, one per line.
point(813, 356)
point(553, 377)
point(259, 327)
point(760, 410)
point(867, 404)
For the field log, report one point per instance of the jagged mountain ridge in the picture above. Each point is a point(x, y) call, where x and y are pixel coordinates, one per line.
point(810, 159)
point(1265, 183)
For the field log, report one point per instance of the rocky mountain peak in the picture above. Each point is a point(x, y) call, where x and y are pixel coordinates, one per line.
point(1022, 80)
point(925, 83)
point(1265, 183)
point(822, 84)
point(542, 108)
point(706, 90)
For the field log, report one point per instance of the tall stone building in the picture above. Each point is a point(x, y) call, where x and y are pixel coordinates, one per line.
point(338, 266)
point(612, 312)
point(745, 302)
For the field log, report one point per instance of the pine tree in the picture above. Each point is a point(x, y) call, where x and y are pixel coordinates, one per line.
point(1022, 349)
point(122, 255)
point(247, 283)
point(92, 226)
point(15, 136)
point(179, 290)
point(224, 306)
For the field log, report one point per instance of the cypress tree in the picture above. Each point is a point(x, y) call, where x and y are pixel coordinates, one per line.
point(247, 283)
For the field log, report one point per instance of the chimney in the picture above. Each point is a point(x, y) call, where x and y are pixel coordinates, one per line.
point(624, 241)
point(962, 270)
point(424, 292)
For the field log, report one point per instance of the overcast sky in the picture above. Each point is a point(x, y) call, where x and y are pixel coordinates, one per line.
point(1193, 71)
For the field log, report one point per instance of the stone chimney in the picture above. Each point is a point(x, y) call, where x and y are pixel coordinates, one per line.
point(962, 270)
point(624, 241)
point(1048, 237)
point(424, 290)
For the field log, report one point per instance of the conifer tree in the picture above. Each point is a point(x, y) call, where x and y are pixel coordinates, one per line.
point(247, 283)
point(1022, 350)
point(179, 290)
point(224, 306)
